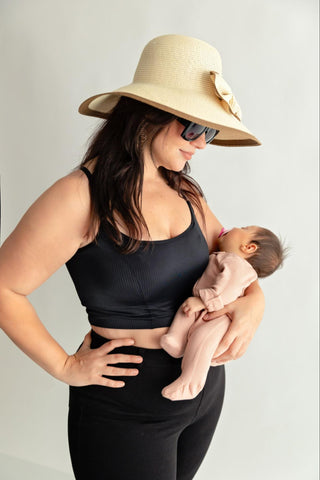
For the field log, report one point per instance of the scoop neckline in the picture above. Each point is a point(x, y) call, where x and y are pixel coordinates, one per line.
point(165, 240)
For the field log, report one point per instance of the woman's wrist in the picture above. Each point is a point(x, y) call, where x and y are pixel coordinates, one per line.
point(255, 295)
point(64, 372)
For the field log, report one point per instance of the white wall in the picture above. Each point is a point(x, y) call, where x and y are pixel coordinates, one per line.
point(54, 54)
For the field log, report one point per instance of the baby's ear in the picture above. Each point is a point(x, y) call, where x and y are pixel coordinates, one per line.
point(249, 248)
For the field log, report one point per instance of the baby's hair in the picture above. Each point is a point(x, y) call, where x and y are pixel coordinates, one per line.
point(270, 253)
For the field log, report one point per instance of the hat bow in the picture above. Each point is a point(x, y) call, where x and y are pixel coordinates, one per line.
point(224, 92)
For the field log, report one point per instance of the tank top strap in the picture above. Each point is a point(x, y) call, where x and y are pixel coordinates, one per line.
point(87, 172)
point(193, 216)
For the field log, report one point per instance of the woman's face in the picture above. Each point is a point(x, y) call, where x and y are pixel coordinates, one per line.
point(171, 151)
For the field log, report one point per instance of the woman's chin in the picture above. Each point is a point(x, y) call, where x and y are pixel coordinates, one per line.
point(177, 167)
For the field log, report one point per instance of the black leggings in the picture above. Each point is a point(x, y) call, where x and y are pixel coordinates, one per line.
point(133, 432)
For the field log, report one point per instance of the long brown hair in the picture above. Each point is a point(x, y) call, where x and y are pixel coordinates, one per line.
point(116, 183)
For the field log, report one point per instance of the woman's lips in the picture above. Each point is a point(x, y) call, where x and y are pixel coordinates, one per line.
point(187, 155)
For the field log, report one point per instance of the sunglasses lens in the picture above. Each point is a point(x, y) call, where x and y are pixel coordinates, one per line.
point(210, 134)
point(193, 131)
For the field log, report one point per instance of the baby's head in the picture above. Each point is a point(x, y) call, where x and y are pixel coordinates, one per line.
point(259, 246)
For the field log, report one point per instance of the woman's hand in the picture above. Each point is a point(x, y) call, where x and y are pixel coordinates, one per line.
point(87, 366)
point(246, 314)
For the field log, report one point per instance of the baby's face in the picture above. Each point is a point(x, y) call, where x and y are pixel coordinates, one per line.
point(232, 240)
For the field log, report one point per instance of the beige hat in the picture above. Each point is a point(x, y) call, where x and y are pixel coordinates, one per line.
point(183, 76)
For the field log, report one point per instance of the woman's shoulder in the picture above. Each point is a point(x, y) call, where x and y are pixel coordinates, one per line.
point(71, 195)
point(75, 187)
point(65, 206)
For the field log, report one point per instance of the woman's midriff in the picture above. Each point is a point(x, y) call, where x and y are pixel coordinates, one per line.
point(145, 338)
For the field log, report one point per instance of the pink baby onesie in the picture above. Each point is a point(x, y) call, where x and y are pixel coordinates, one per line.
point(224, 280)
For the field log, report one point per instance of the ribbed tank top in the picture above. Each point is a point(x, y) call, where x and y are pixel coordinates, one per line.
point(141, 290)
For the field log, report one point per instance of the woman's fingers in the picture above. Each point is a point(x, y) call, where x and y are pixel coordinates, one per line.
point(117, 371)
point(123, 358)
point(112, 344)
point(114, 371)
point(225, 344)
point(116, 358)
point(106, 382)
point(232, 353)
point(233, 345)
point(88, 366)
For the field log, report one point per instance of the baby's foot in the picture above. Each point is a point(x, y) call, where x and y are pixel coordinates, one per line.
point(179, 390)
point(170, 344)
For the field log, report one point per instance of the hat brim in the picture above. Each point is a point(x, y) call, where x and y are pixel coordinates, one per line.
point(199, 108)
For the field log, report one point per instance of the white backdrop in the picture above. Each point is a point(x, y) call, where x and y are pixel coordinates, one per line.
point(54, 54)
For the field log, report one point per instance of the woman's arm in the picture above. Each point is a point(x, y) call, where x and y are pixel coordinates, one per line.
point(48, 235)
point(246, 312)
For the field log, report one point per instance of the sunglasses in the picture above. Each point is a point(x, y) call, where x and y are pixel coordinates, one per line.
point(194, 131)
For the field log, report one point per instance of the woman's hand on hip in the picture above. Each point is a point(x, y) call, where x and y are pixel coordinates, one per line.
point(245, 314)
point(87, 366)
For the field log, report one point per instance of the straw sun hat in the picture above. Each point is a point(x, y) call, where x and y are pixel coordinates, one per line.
point(183, 76)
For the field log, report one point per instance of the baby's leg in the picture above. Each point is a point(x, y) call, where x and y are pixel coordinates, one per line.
point(174, 341)
point(197, 358)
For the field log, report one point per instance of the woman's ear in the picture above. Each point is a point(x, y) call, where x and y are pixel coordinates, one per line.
point(249, 248)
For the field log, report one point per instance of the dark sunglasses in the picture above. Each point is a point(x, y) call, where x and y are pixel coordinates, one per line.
point(194, 131)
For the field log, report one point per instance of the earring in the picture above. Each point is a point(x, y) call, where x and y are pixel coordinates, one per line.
point(143, 137)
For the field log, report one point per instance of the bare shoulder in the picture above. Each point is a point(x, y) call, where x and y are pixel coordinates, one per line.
point(212, 226)
point(48, 234)
point(68, 200)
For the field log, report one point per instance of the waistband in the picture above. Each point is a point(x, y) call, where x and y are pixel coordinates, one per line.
point(139, 316)
point(151, 355)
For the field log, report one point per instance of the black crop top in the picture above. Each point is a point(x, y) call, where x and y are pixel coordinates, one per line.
point(143, 289)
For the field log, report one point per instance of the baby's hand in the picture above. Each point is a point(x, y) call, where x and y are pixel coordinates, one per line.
point(192, 305)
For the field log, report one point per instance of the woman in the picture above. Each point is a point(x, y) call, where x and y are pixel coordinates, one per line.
point(135, 234)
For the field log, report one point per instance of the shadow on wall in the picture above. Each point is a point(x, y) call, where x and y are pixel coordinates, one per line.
point(12, 468)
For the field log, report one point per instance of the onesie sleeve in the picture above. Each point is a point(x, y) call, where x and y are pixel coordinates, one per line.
point(234, 275)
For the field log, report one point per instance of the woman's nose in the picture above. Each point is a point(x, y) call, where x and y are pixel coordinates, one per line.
point(200, 142)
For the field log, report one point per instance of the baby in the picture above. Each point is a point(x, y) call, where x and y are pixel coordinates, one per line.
point(244, 255)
